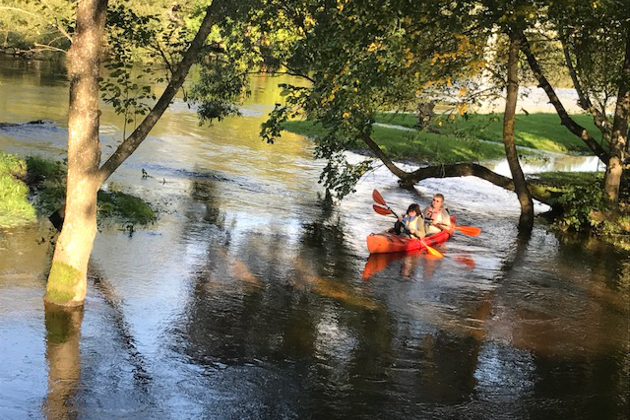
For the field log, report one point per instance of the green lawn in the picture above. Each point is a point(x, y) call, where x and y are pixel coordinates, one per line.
point(415, 145)
point(538, 131)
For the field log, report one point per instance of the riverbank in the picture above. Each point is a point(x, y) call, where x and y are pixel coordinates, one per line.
point(475, 138)
point(33, 187)
point(470, 138)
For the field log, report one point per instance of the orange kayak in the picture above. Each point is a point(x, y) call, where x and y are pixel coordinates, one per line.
point(382, 243)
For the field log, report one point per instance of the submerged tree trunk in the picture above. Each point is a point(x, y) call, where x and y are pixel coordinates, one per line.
point(67, 278)
point(520, 185)
point(63, 356)
point(619, 139)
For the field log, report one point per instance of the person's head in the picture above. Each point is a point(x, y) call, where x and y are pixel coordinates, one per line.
point(413, 208)
point(438, 200)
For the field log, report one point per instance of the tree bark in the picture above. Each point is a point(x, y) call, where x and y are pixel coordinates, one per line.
point(67, 278)
point(619, 138)
point(526, 219)
point(565, 119)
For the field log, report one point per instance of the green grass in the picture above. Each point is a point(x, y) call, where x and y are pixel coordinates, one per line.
point(15, 209)
point(47, 181)
point(125, 207)
point(416, 146)
point(538, 131)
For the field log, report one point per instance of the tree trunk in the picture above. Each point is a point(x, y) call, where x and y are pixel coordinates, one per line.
point(520, 185)
point(619, 140)
point(67, 282)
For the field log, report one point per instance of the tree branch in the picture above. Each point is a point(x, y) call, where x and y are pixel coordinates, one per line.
point(584, 100)
point(131, 143)
point(455, 170)
point(565, 119)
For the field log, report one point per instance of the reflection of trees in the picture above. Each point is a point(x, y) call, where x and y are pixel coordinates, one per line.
point(309, 329)
point(63, 332)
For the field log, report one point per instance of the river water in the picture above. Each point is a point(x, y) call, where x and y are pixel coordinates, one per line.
point(247, 300)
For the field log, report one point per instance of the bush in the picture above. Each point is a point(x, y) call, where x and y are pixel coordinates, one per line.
point(579, 203)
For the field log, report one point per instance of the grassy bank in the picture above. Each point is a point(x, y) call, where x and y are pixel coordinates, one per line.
point(15, 208)
point(540, 131)
point(35, 186)
point(416, 145)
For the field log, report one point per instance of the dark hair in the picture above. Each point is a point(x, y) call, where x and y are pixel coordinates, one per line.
point(414, 207)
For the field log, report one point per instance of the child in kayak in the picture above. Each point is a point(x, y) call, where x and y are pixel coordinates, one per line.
point(436, 216)
point(411, 224)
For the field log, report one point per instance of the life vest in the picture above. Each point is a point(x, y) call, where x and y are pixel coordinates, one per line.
point(414, 223)
point(443, 217)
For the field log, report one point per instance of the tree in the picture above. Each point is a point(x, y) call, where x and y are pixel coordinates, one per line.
point(67, 280)
point(388, 55)
point(595, 40)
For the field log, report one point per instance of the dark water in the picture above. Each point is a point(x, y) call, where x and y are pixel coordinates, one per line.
point(246, 300)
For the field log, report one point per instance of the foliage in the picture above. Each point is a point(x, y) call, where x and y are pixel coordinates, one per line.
point(123, 88)
point(125, 208)
point(37, 26)
point(561, 181)
point(578, 204)
point(594, 33)
point(383, 55)
point(47, 181)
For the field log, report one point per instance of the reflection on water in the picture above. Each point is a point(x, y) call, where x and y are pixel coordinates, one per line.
point(247, 300)
point(63, 334)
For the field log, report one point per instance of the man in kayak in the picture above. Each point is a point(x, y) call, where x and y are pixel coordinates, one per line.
point(436, 216)
point(411, 224)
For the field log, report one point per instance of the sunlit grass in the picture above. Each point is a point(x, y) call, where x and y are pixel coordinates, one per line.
point(415, 145)
point(47, 181)
point(15, 209)
point(541, 131)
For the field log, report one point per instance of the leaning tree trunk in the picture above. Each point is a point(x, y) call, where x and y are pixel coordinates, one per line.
point(520, 185)
point(619, 140)
point(67, 282)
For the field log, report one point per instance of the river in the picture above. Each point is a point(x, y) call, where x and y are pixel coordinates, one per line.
point(247, 300)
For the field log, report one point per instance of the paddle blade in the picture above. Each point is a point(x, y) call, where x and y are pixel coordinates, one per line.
point(381, 210)
point(432, 251)
point(469, 230)
point(378, 198)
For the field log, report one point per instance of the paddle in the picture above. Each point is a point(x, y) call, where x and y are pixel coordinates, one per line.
point(468, 230)
point(386, 211)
